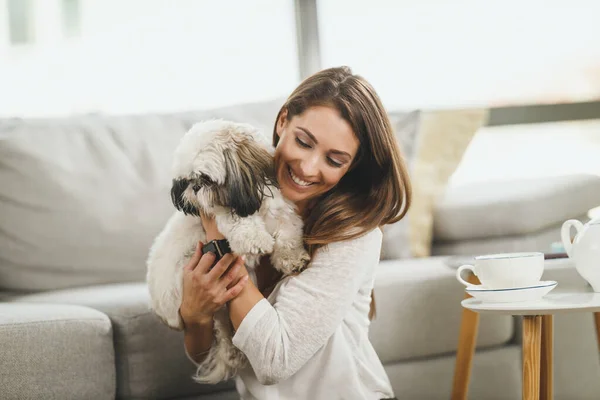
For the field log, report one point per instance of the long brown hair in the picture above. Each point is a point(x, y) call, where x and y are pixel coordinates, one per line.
point(376, 190)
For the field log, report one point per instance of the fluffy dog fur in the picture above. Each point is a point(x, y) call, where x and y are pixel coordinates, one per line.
point(226, 170)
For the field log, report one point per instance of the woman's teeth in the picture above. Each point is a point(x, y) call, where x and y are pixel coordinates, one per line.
point(297, 180)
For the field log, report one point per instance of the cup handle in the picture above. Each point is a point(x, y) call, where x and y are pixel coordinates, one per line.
point(459, 272)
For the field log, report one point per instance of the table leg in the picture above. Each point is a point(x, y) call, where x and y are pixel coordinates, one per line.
point(532, 337)
point(466, 347)
point(547, 358)
point(597, 320)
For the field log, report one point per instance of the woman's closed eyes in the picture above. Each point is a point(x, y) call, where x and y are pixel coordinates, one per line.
point(301, 143)
point(308, 146)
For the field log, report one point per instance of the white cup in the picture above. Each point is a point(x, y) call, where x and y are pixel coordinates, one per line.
point(508, 270)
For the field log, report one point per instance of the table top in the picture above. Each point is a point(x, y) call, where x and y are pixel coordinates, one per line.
point(570, 299)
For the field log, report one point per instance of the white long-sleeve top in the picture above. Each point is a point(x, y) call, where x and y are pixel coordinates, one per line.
point(309, 339)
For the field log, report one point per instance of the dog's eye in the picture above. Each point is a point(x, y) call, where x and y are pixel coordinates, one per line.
point(205, 180)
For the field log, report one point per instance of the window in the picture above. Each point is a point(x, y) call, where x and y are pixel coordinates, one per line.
point(148, 55)
point(431, 53)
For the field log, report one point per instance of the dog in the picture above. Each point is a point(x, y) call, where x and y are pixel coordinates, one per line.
point(225, 170)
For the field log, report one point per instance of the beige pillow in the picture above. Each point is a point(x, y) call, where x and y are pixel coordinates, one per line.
point(443, 138)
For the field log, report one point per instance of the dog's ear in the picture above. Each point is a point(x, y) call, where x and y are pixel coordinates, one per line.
point(250, 170)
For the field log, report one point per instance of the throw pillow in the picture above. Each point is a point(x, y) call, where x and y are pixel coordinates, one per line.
point(443, 138)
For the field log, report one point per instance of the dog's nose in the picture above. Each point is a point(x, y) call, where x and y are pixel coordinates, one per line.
point(179, 186)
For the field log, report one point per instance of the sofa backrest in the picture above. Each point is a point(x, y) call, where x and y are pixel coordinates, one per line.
point(82, 198)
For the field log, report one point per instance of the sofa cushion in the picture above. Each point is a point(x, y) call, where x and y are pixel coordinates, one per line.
point(541, 240)
point(419, 311)
point(150, 357)
point(55, 352)
point(221, 395)
point(513, 207)
point(82, 198)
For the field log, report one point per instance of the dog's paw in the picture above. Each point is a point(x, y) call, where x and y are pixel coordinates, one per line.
point(174, 322)
point(259, 243)
point(291, 261)
point(262, 243)
point(166, 308)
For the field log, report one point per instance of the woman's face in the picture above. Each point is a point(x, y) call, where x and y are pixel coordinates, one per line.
point(315, 150)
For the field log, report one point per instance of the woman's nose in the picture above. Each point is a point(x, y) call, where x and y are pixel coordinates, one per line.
point(309, 167)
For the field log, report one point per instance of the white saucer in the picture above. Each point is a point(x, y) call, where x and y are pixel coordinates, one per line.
point(511, 295)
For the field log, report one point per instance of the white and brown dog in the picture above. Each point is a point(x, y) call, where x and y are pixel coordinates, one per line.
point(225, 170)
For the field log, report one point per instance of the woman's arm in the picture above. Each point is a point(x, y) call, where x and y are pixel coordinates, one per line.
point(279, 339)
point(205, 291)
point(198, 339)
point(240, 306)
point(247, 298)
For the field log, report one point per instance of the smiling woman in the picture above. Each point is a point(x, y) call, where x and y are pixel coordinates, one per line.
point(306, 335)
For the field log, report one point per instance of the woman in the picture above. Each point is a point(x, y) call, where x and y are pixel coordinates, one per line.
point(306, 336)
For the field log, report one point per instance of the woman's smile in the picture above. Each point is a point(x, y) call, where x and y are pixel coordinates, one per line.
point(298, 182)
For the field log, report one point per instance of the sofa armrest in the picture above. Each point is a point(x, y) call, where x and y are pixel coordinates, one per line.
point(46, 345)
point(150, 358)
point(512, 207)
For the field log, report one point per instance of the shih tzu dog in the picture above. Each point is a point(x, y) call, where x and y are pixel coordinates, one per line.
point(223, 169)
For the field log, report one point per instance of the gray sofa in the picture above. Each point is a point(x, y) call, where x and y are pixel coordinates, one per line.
point(75, 227)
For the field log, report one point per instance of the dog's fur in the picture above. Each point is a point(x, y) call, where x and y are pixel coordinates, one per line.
point(225, 170)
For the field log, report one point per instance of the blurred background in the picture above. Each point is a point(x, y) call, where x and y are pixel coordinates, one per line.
point(536, 64)
point(496, 104)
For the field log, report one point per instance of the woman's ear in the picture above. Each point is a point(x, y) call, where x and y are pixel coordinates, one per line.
point(281, 121)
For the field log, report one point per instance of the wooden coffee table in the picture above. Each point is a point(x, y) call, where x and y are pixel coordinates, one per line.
point(537, 336)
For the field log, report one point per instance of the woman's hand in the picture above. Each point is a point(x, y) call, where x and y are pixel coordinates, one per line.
point(206, 291)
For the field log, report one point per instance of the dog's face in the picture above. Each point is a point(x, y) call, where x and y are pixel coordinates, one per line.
point(222, 163)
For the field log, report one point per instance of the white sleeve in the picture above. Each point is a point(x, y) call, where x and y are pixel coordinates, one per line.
point(279, 339)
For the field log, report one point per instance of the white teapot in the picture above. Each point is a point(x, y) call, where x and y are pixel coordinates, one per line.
point(585, 249)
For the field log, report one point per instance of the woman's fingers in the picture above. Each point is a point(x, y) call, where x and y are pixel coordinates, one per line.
point(191, 265)
point(232, 292)
point(219, 269)
point(205, 263)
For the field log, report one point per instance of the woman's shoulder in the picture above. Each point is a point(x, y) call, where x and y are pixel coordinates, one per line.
point(370, 240)
point(374, 235)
